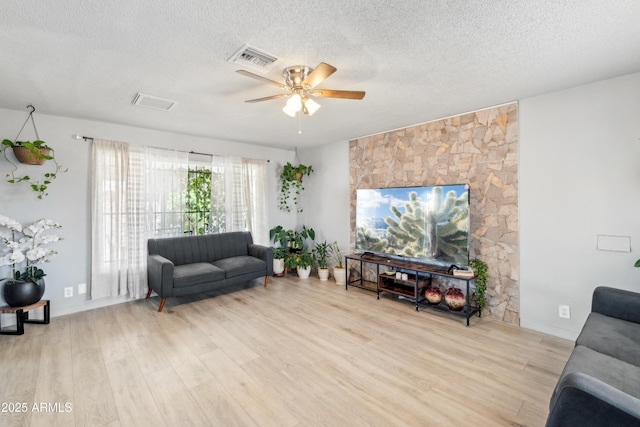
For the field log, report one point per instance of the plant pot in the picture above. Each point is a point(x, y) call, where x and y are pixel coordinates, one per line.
point(24, 155)
point(340, 275)
point(303, 272)
point(323, 274)
point(454, 298)
point(18, 293)
point(278, 266)
point(433, 295)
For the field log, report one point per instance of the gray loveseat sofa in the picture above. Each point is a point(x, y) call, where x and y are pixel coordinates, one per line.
point(191, 264)
point(600, 384)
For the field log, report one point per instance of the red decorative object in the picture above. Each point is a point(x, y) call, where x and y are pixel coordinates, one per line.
point(433, 295)
point(455, 299)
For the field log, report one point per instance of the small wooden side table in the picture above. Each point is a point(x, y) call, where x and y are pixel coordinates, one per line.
point(22, 316)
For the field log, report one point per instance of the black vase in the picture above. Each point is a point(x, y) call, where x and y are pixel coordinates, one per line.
point(18, 293)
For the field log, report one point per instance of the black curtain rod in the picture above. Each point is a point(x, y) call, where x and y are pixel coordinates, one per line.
point(87, 138)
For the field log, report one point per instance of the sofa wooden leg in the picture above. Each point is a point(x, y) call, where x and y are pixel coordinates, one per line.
point(149, 293)
point(162, 304)
point(266, 280)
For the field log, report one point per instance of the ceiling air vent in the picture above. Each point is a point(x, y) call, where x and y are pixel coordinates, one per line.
point(155, 102)
point(251, 57)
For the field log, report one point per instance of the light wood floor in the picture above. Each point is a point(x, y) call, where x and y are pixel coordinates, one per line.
point(299, 353)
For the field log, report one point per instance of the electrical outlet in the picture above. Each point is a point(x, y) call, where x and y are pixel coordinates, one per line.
point(564, 312)
point(68, 292)
point(82, 288)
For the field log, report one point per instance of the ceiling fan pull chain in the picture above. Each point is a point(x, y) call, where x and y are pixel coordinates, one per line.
point(299, 128)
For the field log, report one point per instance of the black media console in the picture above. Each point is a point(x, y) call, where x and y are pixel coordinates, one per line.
point(412, 287)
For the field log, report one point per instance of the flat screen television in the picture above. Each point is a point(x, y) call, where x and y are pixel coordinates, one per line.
point(428, 224)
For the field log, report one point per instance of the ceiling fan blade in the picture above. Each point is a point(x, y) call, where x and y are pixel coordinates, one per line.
point(320, 73)
point(345, 94)
point(262, 79)
point(282, 95)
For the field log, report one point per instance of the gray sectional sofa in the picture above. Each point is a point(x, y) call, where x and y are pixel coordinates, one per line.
point(600, 384)
point(191, 264)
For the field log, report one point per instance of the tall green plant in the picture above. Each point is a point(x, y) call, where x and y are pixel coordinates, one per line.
point(299, 237)
point(336, 255)
point(321, 253)
point(481, 272)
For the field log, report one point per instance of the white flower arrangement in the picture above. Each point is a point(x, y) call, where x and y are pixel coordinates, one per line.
point(28, 247)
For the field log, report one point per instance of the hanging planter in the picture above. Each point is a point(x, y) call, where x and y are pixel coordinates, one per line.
point(35, 153)
point(291, 185)
point(31, 153)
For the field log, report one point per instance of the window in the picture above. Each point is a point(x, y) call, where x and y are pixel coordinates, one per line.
point(143, 192)
point(203, 216)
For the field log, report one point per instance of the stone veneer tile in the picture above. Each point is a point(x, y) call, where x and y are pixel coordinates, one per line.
point(479, 148)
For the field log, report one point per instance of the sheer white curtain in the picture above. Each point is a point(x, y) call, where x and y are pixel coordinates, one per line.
point(242, 193)
point(118, 228)
point(254, 173)
point(235, 208)
point(137, 192)
point(167, 177)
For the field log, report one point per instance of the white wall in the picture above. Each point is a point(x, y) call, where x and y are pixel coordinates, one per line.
point(326, 196)
point(68, 200)
point(579, 178)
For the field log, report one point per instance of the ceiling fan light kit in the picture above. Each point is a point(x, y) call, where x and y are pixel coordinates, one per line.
point(299, 83)
point(296, 103)
point(311, 106)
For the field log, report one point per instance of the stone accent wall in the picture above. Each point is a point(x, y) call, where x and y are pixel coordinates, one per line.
point(480, 149)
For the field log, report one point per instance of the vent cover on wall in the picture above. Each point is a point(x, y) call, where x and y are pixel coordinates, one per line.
point(155, 102)
point(251, 57)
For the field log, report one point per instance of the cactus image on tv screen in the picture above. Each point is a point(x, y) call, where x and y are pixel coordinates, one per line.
point(429, 224)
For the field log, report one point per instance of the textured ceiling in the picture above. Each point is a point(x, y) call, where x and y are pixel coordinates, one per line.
point(417, 60)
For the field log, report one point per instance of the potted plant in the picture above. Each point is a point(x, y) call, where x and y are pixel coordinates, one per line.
point(294, 240)
point(291, 181)
point(480, 270)
point(321, 254)
point(31, 153)
point(25, 288)
point(302, 261)
point(279, 255)
point(298, 238)
point(339, 270)
point(281, 237)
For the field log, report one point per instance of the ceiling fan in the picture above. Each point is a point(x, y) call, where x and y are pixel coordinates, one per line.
point(298, 86)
